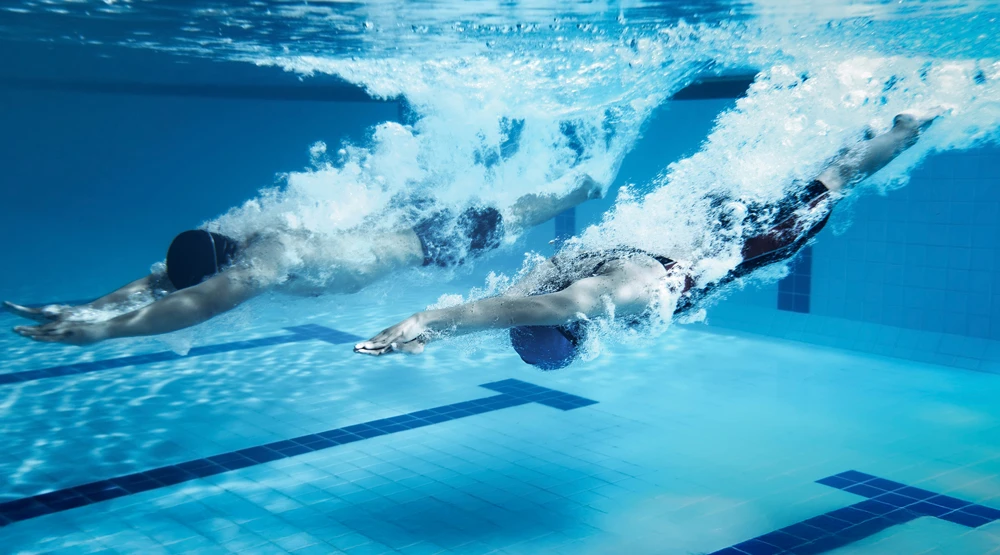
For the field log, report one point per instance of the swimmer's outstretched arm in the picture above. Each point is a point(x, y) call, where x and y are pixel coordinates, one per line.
point(179, 310)
point(629, 289)
point(53, 312)
point(872, 155)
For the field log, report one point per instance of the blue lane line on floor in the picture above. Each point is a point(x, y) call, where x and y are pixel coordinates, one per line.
point(565, 224)
point(889, 504)
point(512, 393)
point(308, 332)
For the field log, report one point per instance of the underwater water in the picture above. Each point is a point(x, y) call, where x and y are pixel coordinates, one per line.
point(844, 402)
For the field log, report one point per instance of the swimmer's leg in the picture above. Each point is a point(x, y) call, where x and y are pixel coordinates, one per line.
point(873, 154)
point(533, 209)
point(479, 229)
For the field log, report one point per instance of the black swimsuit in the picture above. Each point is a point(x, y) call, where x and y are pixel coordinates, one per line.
point(446, 240)
point(780, 242)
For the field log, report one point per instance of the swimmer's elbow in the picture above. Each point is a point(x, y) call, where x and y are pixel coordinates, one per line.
point(213, 301)
point(567, 306)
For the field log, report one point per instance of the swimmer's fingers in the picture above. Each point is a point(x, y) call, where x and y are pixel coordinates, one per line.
point(380, 344)
point(414, 347)
point(361, 349)
point(392, 343)
point(394, 338)
point(44, 334)
point(60, 332)
point(35, 314)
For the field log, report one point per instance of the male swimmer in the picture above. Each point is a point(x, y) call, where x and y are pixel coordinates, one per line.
point(549, 310)
point(208, 273)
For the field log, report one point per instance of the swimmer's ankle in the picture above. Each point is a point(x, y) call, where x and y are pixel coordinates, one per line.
point(917, 121)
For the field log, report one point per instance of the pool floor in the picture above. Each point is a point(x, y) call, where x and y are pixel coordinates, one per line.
point(702, 441)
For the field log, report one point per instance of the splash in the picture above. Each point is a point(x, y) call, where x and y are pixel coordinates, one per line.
point(510, 98)
point(502, 117)
point(824, 95)
point(488, 127)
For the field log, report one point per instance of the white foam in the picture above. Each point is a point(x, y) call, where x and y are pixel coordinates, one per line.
point(798, 115)
point(495, 86)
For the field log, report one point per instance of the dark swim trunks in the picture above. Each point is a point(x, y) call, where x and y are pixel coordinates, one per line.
point(788, 234)
point(448, 241)
point(781, 241)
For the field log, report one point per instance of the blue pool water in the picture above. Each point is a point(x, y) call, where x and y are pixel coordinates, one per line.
point(846, 404)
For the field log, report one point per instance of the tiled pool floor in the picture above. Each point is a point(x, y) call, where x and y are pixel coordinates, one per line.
point(699, 441)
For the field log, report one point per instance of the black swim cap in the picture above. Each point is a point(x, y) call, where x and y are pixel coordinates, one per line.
point(198, 254)
point(547, 347)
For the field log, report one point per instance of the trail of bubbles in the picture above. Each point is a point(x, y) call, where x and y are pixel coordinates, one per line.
point(798, 115)
point(517, 98)
point(489, 128)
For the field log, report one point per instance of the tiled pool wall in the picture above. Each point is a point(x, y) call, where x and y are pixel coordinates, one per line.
point(912, 274)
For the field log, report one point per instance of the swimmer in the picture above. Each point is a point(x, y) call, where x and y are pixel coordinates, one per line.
point(548, 311)
point(207, 274)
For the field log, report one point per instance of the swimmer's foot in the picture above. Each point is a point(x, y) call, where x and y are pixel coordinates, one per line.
point(918, 119)
point(591, 188)
point(48, 313)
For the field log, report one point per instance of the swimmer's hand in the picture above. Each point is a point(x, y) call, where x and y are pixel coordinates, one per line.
point(408, 336)
point(70, 333)
point(48, 313)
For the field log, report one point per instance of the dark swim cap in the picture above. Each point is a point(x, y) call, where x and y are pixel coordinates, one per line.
point(197, 254)
point(547, 347)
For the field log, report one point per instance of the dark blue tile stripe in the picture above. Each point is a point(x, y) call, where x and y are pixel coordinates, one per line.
point(565, 224)
point(512, 393)
point(322, 333)
point(795, 290)
point(299, 333)
point(889, 504)
point(536, 394)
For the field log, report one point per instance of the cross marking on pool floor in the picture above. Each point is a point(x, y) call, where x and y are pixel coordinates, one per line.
point(512, 393)
point(889, 504)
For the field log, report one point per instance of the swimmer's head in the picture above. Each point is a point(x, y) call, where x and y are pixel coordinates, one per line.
point(548, 347)
point(196, 254)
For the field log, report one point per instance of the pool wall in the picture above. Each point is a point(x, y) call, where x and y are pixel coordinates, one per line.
point(912, 274)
